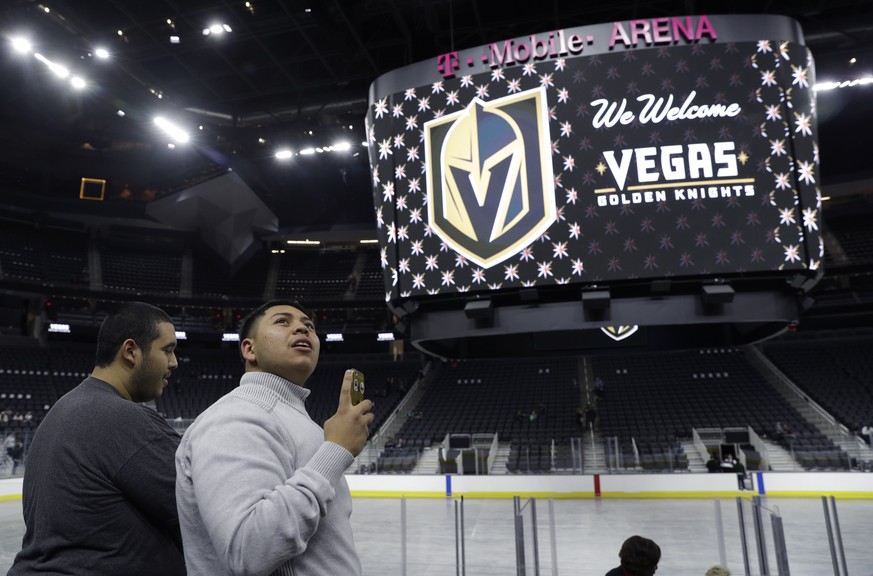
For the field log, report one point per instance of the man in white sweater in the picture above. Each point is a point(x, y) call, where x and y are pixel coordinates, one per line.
point(260, 486)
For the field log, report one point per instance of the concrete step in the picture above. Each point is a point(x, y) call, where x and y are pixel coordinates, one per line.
point(695, 461)
point(428, 462)
point(780, 458)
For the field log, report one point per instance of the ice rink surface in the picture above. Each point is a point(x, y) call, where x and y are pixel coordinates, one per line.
point(588, 535)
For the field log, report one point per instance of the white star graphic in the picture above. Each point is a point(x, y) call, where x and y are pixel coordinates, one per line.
point(578, 267)
point(381, 107)
point(385, 149)
point(806, 169)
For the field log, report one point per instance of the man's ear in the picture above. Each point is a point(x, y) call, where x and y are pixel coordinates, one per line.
point(130, 352)
point(247, 349)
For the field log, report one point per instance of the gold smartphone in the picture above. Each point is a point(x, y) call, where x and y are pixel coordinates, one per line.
point(357, 387)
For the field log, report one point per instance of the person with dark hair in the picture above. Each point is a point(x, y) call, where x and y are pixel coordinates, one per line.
point(639, 557)
point(260, 486)
point(98, 493)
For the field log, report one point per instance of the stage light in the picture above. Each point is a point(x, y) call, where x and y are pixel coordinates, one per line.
point(822, 86)
point(102, 53)
point(217, 29)
point(303, 242)
point(60, 71)
point(284, 154)
point(369, 241)
point(341, 146)
point(307, 151)
point(120, 113)
point(175, 40)
point(22, 45)
point(77, 82)
point(171, 130)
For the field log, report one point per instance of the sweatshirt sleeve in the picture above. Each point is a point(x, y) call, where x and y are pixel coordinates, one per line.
point(256, 516)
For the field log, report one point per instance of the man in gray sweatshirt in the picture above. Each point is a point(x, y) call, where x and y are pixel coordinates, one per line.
point(260, 486)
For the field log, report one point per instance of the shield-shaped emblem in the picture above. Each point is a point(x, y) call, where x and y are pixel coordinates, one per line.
point(619, 333)
point(490, 184)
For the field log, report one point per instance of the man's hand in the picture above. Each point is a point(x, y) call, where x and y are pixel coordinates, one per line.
point(348, 427)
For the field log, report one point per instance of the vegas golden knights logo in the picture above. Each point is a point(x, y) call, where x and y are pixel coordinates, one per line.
point(619, 333)
point(490, 186)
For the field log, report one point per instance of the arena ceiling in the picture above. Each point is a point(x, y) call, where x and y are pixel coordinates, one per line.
point(293, 73)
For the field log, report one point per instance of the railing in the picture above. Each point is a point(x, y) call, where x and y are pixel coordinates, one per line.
point(760, 448)
point(702, 450)
point(824, 417)
point(492, 452)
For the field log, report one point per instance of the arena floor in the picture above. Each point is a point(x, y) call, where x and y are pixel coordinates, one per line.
point(589, 534)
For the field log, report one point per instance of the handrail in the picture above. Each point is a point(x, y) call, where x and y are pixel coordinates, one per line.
point(636, 453)
point(702, 450)
point(818, 409)
point(411, 395)
point(492, 453)
point(760, 447)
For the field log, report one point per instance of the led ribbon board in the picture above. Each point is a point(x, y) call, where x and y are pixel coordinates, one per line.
point(678, 147)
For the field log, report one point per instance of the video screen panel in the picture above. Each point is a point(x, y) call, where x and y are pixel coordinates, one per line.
point(673, 147)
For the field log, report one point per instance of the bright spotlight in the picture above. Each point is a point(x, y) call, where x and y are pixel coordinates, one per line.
point(217, 29)
point(307, 151)
point(171, 130)
point(341, 146)
point(21, 45)
point(77, 82)
point(60, 71)
point(102, 53)
point(284, 154)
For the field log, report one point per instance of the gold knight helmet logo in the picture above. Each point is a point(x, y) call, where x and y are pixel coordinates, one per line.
point(490, 185)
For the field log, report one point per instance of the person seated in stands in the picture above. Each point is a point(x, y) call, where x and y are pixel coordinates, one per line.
point(727, 465)
point(389, 443)
point(780, 432)
point(418, 415)
point(639, 557)
point(400, 442)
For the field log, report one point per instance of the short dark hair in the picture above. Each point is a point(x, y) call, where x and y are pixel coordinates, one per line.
point(640, 556)
point(134, 320)
point(247, 325)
